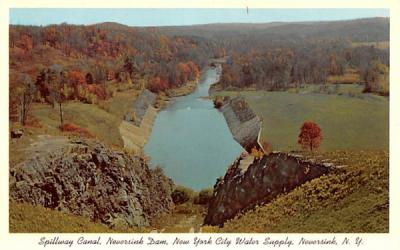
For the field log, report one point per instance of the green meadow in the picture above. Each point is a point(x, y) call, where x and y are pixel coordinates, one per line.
point(349, 120)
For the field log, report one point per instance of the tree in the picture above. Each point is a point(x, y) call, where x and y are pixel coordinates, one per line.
point(42, 83)
point(58, 80)
point(333, 67)
point(130, 66)
point(374, 77)
point(76, 79)
point(157, 84)
point(310, 136)
point(89, 78)
point(182, 73)
point(27, 93)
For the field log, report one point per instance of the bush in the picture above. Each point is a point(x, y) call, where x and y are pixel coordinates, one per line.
point(204, 196)
point(181, 195)
point(33, 122)
point(257, 152)
point(218, 102)
point(266, 147)
point(75, 129)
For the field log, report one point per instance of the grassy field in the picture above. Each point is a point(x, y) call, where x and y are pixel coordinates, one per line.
point(26, 218)
point(348, 122)
point(99, 122)
point(351, 90)
point(120, 103)
point(354, 199)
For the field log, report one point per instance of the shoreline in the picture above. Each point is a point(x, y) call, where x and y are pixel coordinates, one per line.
point(136, 137)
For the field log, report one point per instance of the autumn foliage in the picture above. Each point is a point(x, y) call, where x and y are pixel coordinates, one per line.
point(266, 147)
point(257, 152)
point(157, 84)
point(86, 62)
point(310, 136)
point(76, 79)
point(186, 72)
point(75, 129)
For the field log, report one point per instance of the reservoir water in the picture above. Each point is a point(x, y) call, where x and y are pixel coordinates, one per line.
point(191, 140)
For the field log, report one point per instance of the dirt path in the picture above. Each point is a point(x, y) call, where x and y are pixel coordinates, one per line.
point(186, 218)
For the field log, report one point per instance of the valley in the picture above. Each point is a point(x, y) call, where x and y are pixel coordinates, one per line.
point(238, 128)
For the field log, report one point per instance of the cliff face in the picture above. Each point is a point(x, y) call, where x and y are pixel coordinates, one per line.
point(86, 178)
point(263, 180)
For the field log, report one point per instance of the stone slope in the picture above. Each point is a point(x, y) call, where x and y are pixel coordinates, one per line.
point(243, 123)
point(86, 178)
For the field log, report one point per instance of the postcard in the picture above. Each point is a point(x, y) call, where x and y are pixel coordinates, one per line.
point(200, 126)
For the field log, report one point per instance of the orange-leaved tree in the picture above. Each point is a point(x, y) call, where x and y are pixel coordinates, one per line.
point(310, 135)
point(76, 79)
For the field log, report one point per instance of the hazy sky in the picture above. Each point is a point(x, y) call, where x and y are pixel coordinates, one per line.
point(164, 17)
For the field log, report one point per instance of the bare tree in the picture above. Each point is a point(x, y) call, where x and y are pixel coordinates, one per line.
point(58, 82)
point(26, 98)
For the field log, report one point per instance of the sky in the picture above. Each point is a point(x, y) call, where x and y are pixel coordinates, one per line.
point(176, 17)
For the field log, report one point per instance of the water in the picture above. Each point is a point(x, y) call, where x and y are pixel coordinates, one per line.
point(191, 140)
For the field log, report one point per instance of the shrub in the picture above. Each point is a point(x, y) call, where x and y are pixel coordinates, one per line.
point(75, 129)
point(33, 122)
point(218, 102)
point(266, 147)
point(181, 195)
point(258, 153)
point(204, 196)
point(158, 170)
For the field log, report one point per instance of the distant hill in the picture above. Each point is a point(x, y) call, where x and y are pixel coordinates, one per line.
point(360, 30)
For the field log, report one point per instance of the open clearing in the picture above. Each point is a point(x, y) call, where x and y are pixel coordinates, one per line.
point(360, 122)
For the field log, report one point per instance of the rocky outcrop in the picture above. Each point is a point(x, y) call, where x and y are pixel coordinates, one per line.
point(243, 123)
point(86, 178)
point(16, 133)
point(262, 181)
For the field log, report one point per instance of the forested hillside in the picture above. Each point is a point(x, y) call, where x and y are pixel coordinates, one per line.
point(280, 56)
point(67, 62)
point(79, 62)
point(309, 62)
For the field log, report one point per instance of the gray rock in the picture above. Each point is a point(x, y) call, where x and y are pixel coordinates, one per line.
point(16, 133)
point(91, 180)
point(142, 103)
